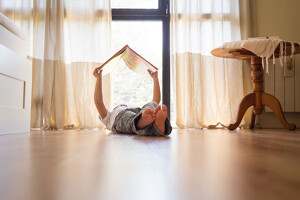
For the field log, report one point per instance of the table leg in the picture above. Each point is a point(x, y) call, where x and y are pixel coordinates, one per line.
point(251, 126)
point(246, 102)
point(274, 104)
point(257, 83)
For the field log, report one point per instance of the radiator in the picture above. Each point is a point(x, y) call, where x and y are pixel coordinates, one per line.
point(284, 84)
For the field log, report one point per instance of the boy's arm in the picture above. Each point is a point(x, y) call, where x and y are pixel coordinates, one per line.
point(98, 97)
point(156, 87)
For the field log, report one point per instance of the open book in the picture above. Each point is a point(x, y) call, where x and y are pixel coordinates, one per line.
point(133, 61)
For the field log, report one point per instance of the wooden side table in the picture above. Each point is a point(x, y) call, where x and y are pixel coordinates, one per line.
point(257, 99)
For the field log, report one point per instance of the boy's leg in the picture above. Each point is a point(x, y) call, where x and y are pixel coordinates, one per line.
point(152, 105)
point(146, 119)
point(147, 115)
point(125, 121)
point(161, 125)
point(161, 113)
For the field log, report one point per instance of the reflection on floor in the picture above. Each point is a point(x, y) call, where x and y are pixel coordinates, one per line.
point(190, 164)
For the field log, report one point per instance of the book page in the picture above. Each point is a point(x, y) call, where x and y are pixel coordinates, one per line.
point(133, 61)
point(112, 62)
point(137, 63)
point(111, 65)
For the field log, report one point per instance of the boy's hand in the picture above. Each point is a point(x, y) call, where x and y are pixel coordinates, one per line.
point(96, 74)
point(153, 74)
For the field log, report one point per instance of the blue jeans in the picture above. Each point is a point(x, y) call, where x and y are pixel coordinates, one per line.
point(127, 119)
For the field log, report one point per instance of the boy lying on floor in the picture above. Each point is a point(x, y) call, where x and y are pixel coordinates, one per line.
point(150, 120)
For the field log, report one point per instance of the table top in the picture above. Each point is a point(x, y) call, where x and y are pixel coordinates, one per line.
point(243, 54)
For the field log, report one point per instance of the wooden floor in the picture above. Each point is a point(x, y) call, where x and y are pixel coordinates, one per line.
point(190, 164)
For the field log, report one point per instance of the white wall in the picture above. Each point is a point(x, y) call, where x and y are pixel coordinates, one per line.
point(281, 18)
point(278, 18)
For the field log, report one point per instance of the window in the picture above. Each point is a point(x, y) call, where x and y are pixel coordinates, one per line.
point(144, 26)
point(135, 4)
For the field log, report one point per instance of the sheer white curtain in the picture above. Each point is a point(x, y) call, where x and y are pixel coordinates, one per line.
point(67, 39)
point(207, 89)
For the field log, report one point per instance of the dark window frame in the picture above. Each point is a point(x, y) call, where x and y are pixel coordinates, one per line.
point(161, 14)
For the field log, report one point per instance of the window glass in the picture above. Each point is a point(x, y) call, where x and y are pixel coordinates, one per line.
point(135, 4)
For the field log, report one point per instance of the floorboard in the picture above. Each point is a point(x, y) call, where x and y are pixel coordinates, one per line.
point(190, 164)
